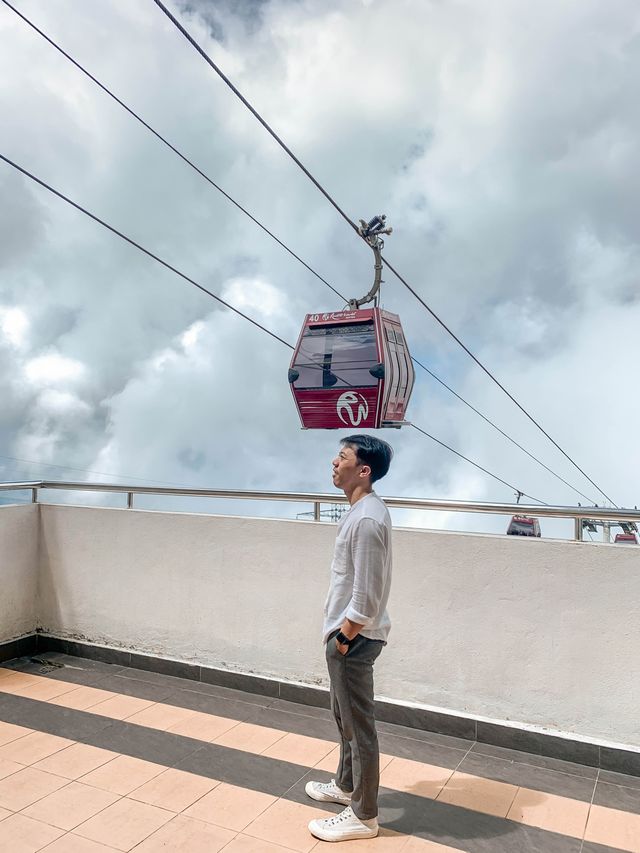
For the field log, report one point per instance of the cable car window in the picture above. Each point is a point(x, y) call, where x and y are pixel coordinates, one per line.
point(404, 368)
point(407, 361)
point(337, 356)
point(395, 377)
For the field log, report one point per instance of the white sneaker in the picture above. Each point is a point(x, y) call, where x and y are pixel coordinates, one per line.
point(344, 827)
point(327, 792)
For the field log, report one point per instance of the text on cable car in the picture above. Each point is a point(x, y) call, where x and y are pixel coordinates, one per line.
point(335, 315)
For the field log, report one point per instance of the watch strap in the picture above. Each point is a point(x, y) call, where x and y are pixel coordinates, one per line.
point(343, 640)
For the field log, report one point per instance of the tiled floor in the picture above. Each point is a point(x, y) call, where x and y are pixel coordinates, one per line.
point(96, 758)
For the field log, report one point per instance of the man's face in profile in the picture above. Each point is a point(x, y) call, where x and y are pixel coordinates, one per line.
point(347, 470)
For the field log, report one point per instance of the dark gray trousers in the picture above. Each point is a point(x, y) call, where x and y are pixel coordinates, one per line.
point(351, 678)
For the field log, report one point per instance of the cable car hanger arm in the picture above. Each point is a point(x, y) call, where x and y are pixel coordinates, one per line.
point(370, 233)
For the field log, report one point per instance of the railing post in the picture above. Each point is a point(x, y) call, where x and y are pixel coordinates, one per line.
point(577, 523)
point(129, 500)
point(34, 496)
point(316, 511)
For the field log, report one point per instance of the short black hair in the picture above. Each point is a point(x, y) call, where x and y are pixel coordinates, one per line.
point(371, 451)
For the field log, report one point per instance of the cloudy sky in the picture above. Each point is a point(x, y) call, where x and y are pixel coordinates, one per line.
point(501, 139)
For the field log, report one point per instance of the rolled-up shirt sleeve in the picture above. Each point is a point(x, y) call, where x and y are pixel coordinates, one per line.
point(368, 551)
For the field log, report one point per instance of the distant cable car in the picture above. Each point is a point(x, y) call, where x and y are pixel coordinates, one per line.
point(522, 525)
point(626, 538)
point(352, 368)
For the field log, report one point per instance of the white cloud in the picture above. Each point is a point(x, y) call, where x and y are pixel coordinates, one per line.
point(62, 402)
point(257, 294)
point(53, 368)
point(14, 325)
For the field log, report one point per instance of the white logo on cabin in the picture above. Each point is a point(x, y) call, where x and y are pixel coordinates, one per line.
point(347, 402)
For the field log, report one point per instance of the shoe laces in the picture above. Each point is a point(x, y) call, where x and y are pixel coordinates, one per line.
point(330, 787)
point(347, 814)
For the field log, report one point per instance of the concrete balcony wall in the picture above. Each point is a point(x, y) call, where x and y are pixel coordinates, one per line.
point(18, 570)
point(536, 632)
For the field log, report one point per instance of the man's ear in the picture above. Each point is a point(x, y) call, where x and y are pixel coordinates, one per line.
point(366, 470)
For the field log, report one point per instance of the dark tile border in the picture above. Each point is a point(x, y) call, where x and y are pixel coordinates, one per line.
point(537, 743)
point(9, 650)
point(316, 697)
point(165, 667)
point(620, 761)
point(239, 681)
point(421, 718)
point(84, 650)
point(18, 648)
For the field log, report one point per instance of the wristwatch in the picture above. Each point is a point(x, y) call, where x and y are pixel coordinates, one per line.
point(342, 640)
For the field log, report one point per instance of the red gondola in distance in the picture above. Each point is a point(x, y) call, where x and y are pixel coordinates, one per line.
point(626, 539)
point(523, 525)
point(352, 368)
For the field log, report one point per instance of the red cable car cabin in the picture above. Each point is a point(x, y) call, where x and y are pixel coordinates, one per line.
point(351, 369)
point(627, 538)
point(522, 525)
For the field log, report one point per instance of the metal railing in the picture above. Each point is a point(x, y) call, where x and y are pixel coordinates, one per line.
point(579, 514)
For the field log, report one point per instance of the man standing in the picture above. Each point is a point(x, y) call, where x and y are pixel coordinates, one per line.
point(356, 626)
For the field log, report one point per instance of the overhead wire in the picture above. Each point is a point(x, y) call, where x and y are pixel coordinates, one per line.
point(345, 216)
point(145, 251)
point(475, 464)
point(280, 242)
point(501, 431)
point(255, 113)
point(187, 278)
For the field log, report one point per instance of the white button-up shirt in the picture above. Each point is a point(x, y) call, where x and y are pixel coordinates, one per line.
point(361, 570)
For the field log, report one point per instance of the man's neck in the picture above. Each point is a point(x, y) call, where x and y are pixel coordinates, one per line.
point(358, 493)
